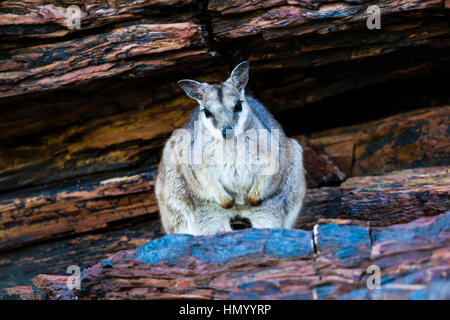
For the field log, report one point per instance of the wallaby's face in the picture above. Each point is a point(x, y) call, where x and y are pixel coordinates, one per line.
point(224, 109)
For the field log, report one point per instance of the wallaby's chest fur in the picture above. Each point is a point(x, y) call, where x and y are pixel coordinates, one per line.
point(236, 175)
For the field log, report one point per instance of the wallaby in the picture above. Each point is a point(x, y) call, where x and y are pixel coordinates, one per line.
point(261, 182)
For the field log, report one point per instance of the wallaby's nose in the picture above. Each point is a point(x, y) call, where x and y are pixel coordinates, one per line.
point(224, 132)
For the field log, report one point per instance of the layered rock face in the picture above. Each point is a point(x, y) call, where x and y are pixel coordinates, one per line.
point(334, 261)
point(85, 110)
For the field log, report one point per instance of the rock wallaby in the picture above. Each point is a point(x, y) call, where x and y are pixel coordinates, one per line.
point(231, 165)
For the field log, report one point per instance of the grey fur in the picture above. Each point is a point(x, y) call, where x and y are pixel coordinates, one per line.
point(202, 198)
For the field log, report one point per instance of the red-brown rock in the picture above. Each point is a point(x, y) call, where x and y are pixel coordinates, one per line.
point(275, 264)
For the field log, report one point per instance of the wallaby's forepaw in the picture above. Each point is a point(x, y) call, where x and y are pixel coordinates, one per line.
point(227, 204)
point(253, 200)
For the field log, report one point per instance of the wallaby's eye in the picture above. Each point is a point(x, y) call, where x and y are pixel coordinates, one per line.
point(238, 107)
point(208, 114)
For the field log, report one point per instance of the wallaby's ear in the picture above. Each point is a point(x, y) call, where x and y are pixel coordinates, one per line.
point(239, 76)
point(192, 88)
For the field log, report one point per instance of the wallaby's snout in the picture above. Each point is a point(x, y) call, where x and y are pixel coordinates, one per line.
point(225, 130)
